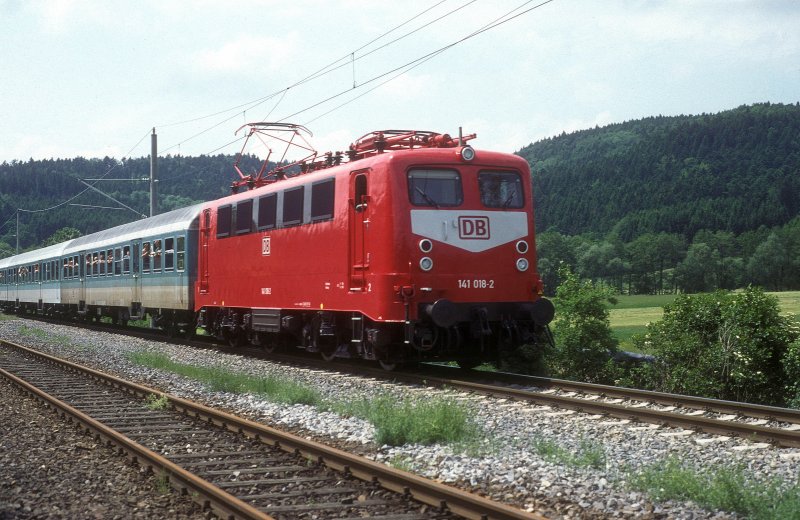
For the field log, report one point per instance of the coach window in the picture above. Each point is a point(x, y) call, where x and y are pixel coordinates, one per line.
point(244, 217)
point(169, 254)
point(102, 263)
point(435, 188)
point(126, 259)
point(146, 254)
point(117, 261)
point(157, 255)
point(322, 195)
point(224, 214)
point(110, 262)
point(501, 189)
point(293, 206)
point(267, 211)
point(181, 253)
point(77, 266)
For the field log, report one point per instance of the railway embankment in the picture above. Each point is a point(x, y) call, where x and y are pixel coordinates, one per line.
point(560, 462)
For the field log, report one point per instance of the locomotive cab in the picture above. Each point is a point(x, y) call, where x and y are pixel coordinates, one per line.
point(463, 240)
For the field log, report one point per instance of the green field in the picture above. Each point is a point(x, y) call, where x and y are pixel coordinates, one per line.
point(632, 314)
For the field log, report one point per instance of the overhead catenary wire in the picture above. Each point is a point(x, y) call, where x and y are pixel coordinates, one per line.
point(410, 65)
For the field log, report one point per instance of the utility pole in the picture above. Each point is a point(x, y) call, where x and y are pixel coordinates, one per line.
point(153, 173)
point(17, 232)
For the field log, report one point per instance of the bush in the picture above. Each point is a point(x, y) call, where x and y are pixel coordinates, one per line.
point(584, 342)
point(791, 365)
point(722, 345)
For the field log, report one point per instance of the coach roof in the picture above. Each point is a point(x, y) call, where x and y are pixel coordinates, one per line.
point(176, 220)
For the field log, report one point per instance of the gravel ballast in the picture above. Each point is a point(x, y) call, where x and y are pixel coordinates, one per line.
point(504, 465)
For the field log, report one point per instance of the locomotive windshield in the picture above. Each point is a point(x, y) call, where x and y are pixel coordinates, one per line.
point(435, 188)
point(501, 189)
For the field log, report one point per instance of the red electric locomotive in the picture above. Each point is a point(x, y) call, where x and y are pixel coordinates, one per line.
point(417, 247)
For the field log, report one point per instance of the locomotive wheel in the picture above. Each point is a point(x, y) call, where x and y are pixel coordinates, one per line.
point(389, 366)
point(328, 354)
point(468, 363)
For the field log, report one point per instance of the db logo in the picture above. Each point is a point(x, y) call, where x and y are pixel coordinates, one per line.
point(473, 228)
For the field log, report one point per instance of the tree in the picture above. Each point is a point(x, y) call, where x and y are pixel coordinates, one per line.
point(697, 272)
point(62, 235)
point(552, 251)
point(770, 264)
point(584, 343)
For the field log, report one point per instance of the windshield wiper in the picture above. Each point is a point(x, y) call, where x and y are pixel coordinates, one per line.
point(509, 199)
point(427, 198)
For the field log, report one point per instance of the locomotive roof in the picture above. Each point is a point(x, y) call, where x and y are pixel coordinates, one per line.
point(176, 220)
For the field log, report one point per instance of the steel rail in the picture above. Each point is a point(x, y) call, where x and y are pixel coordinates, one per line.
point(424, 490)
point(206, 494)
point(774, 413)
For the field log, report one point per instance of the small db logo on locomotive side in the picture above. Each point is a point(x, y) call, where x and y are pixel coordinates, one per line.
point(473, 228)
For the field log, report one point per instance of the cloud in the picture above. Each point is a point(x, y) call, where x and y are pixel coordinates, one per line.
point(249, 53)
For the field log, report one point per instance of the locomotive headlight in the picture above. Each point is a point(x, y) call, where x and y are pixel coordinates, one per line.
point(425, 245)
point(522, 264)
point(467, 153)
point(425, 263)
point(522, 247)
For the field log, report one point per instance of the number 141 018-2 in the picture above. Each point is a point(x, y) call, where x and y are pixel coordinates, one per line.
point(476, 283)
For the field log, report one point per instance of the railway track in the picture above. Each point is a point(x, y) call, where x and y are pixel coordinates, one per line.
point(237, 468)
point(769, 424)
point(774, 425)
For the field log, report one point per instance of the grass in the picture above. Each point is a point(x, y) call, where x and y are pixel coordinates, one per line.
point(153, 402)
point(274, 388)
point(589, 454)
point(725, 488)
point(438, 420)
point(407, 421)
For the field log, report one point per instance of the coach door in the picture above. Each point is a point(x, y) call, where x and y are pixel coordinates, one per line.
point(359, 222)
point(202, 253)
point(84, 272)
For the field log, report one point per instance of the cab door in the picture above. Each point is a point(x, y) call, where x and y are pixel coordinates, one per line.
point(359, 211)
point(202, 253)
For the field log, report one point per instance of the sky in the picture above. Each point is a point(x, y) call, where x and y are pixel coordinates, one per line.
point(92, 78)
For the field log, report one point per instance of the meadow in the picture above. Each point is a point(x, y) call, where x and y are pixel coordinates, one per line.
point(631, 314)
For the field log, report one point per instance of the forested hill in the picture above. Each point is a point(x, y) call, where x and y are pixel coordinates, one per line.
point(40, 184)
point(733, 171)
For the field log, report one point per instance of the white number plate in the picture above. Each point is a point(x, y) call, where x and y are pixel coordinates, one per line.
point(475, 283)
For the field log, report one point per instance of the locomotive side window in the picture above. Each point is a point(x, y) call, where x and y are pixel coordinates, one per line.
point(360, 189)
point(267, 211)
point(244, 217)
point(322, 196)
point(293, 206)
point(501, 190)
point(435, 188)
point(224, 214)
